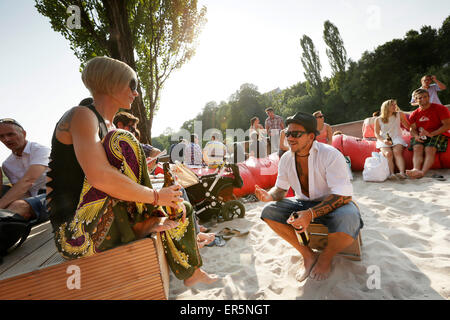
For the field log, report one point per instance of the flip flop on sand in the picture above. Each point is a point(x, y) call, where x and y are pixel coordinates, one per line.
point(438, 177)
point(228, 233)
point(219, 241)
point(401, 176)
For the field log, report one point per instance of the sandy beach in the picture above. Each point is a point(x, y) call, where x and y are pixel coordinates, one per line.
point(405, 251)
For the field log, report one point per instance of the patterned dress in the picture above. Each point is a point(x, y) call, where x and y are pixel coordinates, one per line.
point(101, 222)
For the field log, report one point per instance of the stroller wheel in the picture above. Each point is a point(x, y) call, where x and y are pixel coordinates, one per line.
point(232, 208)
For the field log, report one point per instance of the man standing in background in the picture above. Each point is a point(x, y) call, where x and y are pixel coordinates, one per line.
point(432, 89)
point(273, 125)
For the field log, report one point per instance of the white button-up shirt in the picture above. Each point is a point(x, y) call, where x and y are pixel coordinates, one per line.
point(327, 173)
point(15, 167)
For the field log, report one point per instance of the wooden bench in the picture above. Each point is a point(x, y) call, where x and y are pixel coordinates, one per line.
point(319, 240)
point(36, 270)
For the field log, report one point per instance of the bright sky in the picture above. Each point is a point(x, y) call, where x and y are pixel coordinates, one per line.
point(244, 41)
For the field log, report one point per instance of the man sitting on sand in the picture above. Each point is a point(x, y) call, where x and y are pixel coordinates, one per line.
point(317, 173)
point(430, 129)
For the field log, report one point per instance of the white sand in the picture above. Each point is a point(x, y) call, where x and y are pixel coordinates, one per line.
point(406, 238)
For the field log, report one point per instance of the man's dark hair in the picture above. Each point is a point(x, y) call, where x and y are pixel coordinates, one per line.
point(126, 118)
point(420, 91)
point(269, 109)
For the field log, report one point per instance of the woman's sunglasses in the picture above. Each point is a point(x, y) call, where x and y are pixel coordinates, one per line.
point(133, 84)
point(295, 134)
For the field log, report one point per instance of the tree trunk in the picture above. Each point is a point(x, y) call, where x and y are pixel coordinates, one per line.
point(120, 47)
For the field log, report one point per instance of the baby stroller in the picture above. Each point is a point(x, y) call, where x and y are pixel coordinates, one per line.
point(212, 194)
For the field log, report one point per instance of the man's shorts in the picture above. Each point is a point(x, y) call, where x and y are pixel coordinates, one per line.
point(439, 142)
point(345, 219)
point(39, 207)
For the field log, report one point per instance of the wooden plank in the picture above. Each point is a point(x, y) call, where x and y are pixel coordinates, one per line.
point(56, 258)
point(38, 237)
point(131, 271)
point(32, 261)
point(164, 266)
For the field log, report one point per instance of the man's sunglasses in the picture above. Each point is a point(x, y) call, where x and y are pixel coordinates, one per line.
point(10, 121)
point(295, 134)
point(133, 84)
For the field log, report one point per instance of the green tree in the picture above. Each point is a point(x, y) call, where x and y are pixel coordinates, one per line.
point(336, 53)
point(161, 33)
point(311, 64)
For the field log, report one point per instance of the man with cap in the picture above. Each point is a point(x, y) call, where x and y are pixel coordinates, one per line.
point(318, 174)
point(25, 168)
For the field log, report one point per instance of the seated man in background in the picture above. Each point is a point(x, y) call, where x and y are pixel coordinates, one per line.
point(193, 153)
point(25, 168)
point(126, 121)
point(214, 152)
point(430, 129)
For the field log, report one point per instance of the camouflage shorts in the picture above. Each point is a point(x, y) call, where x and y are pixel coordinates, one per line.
point(439, 142)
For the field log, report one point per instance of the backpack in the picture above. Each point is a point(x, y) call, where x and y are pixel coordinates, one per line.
point(13, 228)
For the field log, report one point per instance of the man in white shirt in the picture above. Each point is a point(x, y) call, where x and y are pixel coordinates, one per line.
point(25, 168)
point(318, 174)
point(432, 88)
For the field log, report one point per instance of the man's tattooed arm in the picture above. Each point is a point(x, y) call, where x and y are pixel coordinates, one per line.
point(329, 204)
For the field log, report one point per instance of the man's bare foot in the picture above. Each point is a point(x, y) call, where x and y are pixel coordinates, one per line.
point(322, 268)
point(200, 276)
point(204, 239)
point(414, 174)
point(309, 264)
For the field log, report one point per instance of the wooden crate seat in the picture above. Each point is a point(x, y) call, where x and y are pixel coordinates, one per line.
point(319, 240)
point(137, 270)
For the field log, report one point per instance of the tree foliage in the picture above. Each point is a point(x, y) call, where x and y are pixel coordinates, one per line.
point(391, 71)
point(154, 37)
point(311, 65)
point(337, 55)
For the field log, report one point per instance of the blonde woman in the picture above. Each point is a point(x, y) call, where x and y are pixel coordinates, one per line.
point(326, 133)
point(389, 137)
point(99, 194)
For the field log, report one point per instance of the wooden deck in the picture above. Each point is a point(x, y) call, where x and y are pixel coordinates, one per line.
point(37, 271)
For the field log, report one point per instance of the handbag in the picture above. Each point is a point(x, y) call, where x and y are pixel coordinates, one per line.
point(13, 228)
point(376, 168)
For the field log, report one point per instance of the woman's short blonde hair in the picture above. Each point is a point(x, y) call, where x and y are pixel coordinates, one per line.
point(106, 75)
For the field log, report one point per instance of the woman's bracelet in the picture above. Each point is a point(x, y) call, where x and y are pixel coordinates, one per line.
point(155, 197)
point(312, 214)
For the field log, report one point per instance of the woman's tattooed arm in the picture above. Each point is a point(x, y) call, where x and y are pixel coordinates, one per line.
point(64, 123)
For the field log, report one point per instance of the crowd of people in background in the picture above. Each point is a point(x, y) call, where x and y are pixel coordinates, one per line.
point(428, 125)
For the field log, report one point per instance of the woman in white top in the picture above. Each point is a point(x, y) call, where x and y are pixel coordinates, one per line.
point(387, 130)
point(256, 126)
